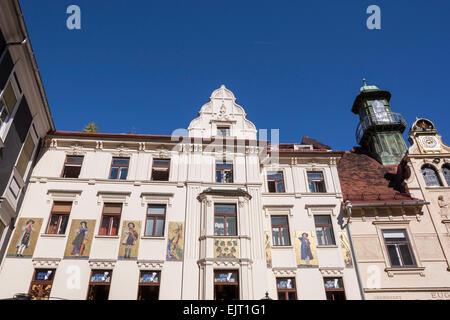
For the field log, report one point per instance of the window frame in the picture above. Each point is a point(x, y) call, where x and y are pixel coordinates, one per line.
point(225, 215)
point(408, 243)
point(323, 226)
point(42, 282)
point(274, 180)
point(334, 289)
point(158, 166)
point(19, 94)
point(234, 283)
point(436, 172)
point(155, 216)
point(60, 214)
point(72, 165)
point(280, 226)
point(223, 170)
point(120, 167)
point(95, 283)
point(111, 217)
point(315, 181)
point(286, 291)
point(219, 131)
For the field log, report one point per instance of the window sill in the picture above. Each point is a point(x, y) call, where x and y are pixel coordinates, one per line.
point(328, 246)
point(106, 237)
point(51, 235)
point(152, 238)
point(391, 271)
point(282, 247)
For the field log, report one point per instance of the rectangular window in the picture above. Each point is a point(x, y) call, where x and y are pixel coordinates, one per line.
point(223, 131)
point(275, 182)
point(286, 289)
point(25, 155)
point(59, 218)
point(324, 230)
point(224, 172)
point(119, 168)
point(160, 170)
point(280, 231)
point(334, 288)
point(99, 285)
point(7, 102)
point(226, 285)
point(72, 166)
point(110, 219)
point(225, 218)
point(154, 225)
point(316, 182)
point(41, 285)
point(399, 248)
point(149, 285)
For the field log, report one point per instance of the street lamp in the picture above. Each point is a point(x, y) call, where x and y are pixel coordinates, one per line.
point(348, 206)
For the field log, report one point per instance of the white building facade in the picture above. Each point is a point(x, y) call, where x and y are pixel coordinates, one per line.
point(213, 213)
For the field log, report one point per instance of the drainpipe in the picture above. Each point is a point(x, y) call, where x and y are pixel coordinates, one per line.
point(348, 206)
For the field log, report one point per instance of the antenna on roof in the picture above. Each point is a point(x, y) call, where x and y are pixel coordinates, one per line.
point(364, 82)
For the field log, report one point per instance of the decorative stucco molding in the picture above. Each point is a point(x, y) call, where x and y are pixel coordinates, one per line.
point(46, 262)
point(284, 272)
point(113, 196)
point(63, 195)
point(402, 271)
point(332, 271)
point(320, 208)
point(156, 198)
point(150, 264)
point(102, 263)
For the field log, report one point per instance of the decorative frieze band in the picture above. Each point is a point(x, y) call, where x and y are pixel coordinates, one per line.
point(46, 262)
point(102, 264)
point(150, 264)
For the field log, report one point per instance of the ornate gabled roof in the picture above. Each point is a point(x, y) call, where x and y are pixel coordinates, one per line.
point(222, 110)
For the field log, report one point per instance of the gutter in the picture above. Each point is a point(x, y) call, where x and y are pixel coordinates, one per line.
point(32, 58)
point(391, 204)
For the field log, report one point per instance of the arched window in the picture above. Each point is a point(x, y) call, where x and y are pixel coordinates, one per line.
point(431, 176)
point(446, 171)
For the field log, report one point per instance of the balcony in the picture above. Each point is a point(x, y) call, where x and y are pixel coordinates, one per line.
point(384, 119)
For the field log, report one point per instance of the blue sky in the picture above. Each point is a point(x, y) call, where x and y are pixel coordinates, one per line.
point(148, 66)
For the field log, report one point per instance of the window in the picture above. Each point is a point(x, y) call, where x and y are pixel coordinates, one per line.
point(110, 219)
point(25, 156)
point(324, 230)
point(7, 102)
point(225, 220)
point(446, 172)
point(334, 288)
point(223, 131)
point(286, 289)
point(160, 170)
point(119, 168)
point(275, 182)
point(149, 285)
point(226, 285)
point(224, 172)
point(99, 285)
point(316, 182)
point(431, 176)
point(280, 231)
point(72, 166)
point(41, 285)
point(399, 248)
point(154, 225)
point(59, 218)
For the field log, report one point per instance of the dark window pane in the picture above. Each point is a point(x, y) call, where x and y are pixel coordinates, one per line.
point(430, 176)
point(285, 237)
point(446, 172)
point(159, 227)
point(225, 208)
point(149, 227)
point(71, 171)
point(74, 160)
point(322, 220)
point(280, 186)
point(330, 236)
point(231, 226)
point(392, 250)
point(279, 220)
point(406, 255)
point(114, 173)
point(161, 163)
point(219, 226)
point(120, 161)
point(281, 296)
point(63, 225)
point(123, 173)
point(271, 186)
point(156, 210)
point(291, 295)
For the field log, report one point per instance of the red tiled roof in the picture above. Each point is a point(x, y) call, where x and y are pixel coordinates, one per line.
point(365, 180)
